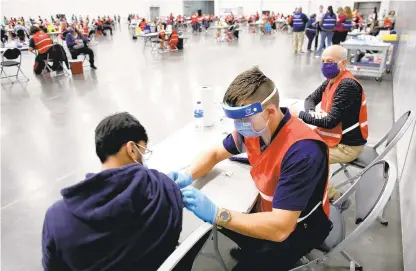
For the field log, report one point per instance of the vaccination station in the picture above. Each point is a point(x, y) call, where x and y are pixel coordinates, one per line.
point(208, 135)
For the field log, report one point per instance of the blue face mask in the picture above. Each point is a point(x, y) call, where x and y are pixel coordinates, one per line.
point(330, 69)
point(246, 129)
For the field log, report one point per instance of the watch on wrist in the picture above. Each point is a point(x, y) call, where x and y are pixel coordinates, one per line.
point(223, 217)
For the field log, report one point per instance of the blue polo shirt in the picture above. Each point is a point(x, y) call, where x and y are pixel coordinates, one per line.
point(303, 172)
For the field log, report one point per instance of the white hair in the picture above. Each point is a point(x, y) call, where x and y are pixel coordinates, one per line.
point(337, 51)
point(343, 53)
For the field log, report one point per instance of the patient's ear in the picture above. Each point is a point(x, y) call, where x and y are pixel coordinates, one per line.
point(131, 150)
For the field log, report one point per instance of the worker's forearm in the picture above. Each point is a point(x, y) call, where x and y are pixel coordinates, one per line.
point(263, 225)
point(202, 165)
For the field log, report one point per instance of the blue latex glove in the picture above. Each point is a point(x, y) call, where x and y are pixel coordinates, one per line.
point(181, 179)
point(199, 204)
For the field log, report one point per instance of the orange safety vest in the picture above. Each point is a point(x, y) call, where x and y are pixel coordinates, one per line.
point(266, 166)
point(85, 30)
point(174, 37)
point(387, 23)
point(333, 136)
point(42, 42)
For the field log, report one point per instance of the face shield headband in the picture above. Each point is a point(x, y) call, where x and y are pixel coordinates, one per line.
point(248, 121)
point(246, 111)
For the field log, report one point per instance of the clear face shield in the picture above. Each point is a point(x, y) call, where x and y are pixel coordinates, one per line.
point(249, 119)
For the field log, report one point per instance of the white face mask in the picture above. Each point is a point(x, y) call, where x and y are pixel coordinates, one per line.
point(145, 156)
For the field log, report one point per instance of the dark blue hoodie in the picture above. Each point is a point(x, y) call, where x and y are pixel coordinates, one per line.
point(127, 218)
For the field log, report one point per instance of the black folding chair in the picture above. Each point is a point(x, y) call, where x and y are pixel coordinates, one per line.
point(58, 65)
point(11, 55)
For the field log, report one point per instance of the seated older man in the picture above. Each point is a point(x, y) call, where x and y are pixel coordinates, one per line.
point(341, 120)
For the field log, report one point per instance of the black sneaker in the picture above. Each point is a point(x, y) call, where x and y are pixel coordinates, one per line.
point(236, 253)
point(93, 67)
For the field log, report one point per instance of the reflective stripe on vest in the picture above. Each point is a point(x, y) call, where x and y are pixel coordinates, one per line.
point(329, 22)
point(44, 47)
point(347, 24)
point(329, 134)
point(39, 42)
point(300, 219)
point(265, 197)
point(298, 22)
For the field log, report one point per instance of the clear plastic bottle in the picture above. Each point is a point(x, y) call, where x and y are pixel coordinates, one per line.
point(199, 116)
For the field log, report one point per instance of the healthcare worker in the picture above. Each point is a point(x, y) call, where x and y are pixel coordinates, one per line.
point(42, 43)
point(289, 167)
point(327, 30)
point(298, 23)
point(342, 118)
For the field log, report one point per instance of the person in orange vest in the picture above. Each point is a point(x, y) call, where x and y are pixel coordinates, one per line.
point(173, 40)
point(388, 23)
point(142, 24)
point(342, 119)
point(42, 43)
point(195, 23)
point(357, 19)
point(289, 168)
point(85, 30)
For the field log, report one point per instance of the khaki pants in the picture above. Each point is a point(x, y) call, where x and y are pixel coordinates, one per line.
point(341, 154)
point(298, 41)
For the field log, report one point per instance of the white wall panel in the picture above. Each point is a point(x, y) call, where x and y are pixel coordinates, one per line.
point(26, 8)
point(123, 7)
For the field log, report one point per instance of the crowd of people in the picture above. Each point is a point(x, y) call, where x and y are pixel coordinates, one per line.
point(332, 27)
point(323, 28)
point(77, 35)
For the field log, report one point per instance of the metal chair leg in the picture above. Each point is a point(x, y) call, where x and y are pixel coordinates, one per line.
point(17, 73)
point(305, 260)
point(353, 263)
point(27, 79)
point(7, 76)
point(337, 171)
point(216, 250)
point(382, 220)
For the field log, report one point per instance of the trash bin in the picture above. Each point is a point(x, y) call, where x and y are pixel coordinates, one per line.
point(76, 66)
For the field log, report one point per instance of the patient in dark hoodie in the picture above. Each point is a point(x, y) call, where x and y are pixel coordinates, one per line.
point(126, 217)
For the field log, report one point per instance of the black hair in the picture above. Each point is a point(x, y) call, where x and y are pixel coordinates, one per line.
point(34, 29)
point(331, 11)
point(116, 130)
point(375, 12)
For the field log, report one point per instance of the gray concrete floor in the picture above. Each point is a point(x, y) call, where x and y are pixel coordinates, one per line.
point(47, 130)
